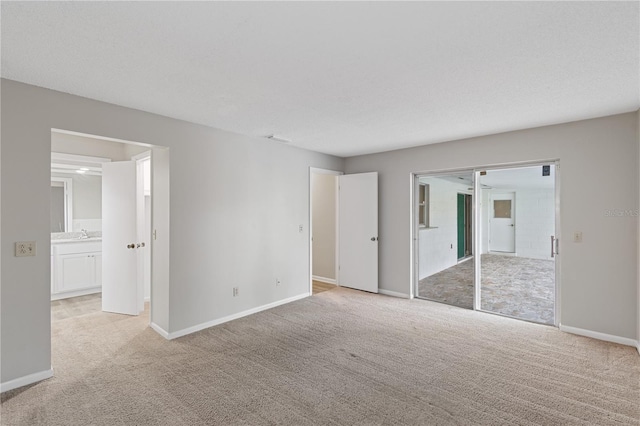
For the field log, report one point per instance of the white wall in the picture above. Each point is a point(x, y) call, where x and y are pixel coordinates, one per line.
point(438, 245)
point(534, 221)
point(323, 205)
point(236, 202)
point(598, 281)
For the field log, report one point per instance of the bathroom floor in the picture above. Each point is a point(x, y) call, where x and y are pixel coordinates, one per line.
point(75, 306)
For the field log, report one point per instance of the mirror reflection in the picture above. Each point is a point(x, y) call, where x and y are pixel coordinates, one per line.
point(76, 193)
point(445, 249)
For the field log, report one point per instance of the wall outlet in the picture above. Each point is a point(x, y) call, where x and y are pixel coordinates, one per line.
point(278, 282)
point(25, 248)
point(300, 229)
point(235, 291)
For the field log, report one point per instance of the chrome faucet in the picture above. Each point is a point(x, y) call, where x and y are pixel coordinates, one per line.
point(84, 234)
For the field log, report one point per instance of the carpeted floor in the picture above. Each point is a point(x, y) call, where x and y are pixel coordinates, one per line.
point(515, 286)
point(341, 357)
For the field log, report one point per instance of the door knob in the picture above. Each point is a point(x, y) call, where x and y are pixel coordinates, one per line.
point(131, 246)
point(374, 238)
point(512, 224)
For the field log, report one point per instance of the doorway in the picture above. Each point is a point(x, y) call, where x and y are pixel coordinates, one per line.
point(323, 223)
point(354, 251)
point(465, 217)
point(505, 243)
point(79, 256)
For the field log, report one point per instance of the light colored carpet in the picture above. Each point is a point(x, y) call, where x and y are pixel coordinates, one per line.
point(341, 357)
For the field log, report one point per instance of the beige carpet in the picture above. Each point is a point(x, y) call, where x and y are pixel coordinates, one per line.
point(341, 357)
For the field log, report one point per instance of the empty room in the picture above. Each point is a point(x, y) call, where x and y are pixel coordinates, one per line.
point(305, 213)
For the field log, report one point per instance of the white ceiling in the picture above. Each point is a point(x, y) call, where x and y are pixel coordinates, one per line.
point(518, 178)
point(341, 78)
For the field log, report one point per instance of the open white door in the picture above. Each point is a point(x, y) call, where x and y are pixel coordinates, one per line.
point(119, 253)
point(358, 223)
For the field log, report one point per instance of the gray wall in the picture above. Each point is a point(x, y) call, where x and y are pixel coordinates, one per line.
point(598, 171)
point(324, 224)
point(236, 203)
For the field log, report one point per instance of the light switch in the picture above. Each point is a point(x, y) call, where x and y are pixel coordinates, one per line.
point(25, 248)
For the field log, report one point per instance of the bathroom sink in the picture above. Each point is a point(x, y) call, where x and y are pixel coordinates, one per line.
point(76, 240)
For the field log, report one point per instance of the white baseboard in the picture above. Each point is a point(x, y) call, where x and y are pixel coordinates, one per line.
point(600, 336)
point(189, 330)
point(83, 292)
point(393, 293)
point(324, 280)
point(26, 380)
point(161, 331)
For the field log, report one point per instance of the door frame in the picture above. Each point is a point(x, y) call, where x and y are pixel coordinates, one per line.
point(476, 229)
point(150, 149)
point(315, 170)
point(140, 222)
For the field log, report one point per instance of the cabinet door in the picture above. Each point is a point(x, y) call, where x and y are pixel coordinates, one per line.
point(76, 271)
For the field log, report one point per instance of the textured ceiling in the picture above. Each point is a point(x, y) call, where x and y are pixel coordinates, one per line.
point(341, 78)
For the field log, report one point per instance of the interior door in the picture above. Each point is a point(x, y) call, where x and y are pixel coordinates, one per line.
point(502, 224)
point(358, 231)
point(461, 226)
point(120, 291)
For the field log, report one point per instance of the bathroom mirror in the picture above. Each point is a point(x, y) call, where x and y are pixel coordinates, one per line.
point(76, 192)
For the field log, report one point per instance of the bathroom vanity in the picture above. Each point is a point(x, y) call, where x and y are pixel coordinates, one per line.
point(76, 267)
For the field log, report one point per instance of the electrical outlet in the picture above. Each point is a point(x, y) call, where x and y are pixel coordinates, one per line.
point(25, 248)
point(235, 291)
point(278, 282)
point(300, 229)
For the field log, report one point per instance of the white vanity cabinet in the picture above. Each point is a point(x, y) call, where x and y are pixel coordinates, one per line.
point(76, 268)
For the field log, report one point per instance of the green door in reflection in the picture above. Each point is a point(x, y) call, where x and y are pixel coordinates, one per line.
point(461, 226)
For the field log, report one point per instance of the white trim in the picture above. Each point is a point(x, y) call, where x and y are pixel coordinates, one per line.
point(104, 138)
point(161, 331)
point(26, 380)
point(67, 183)
point(394, 294)
point(600, 336)
point(324, 279)
point(76, 293)
point(202, 326)
point(63, 156)
point(142, 156)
